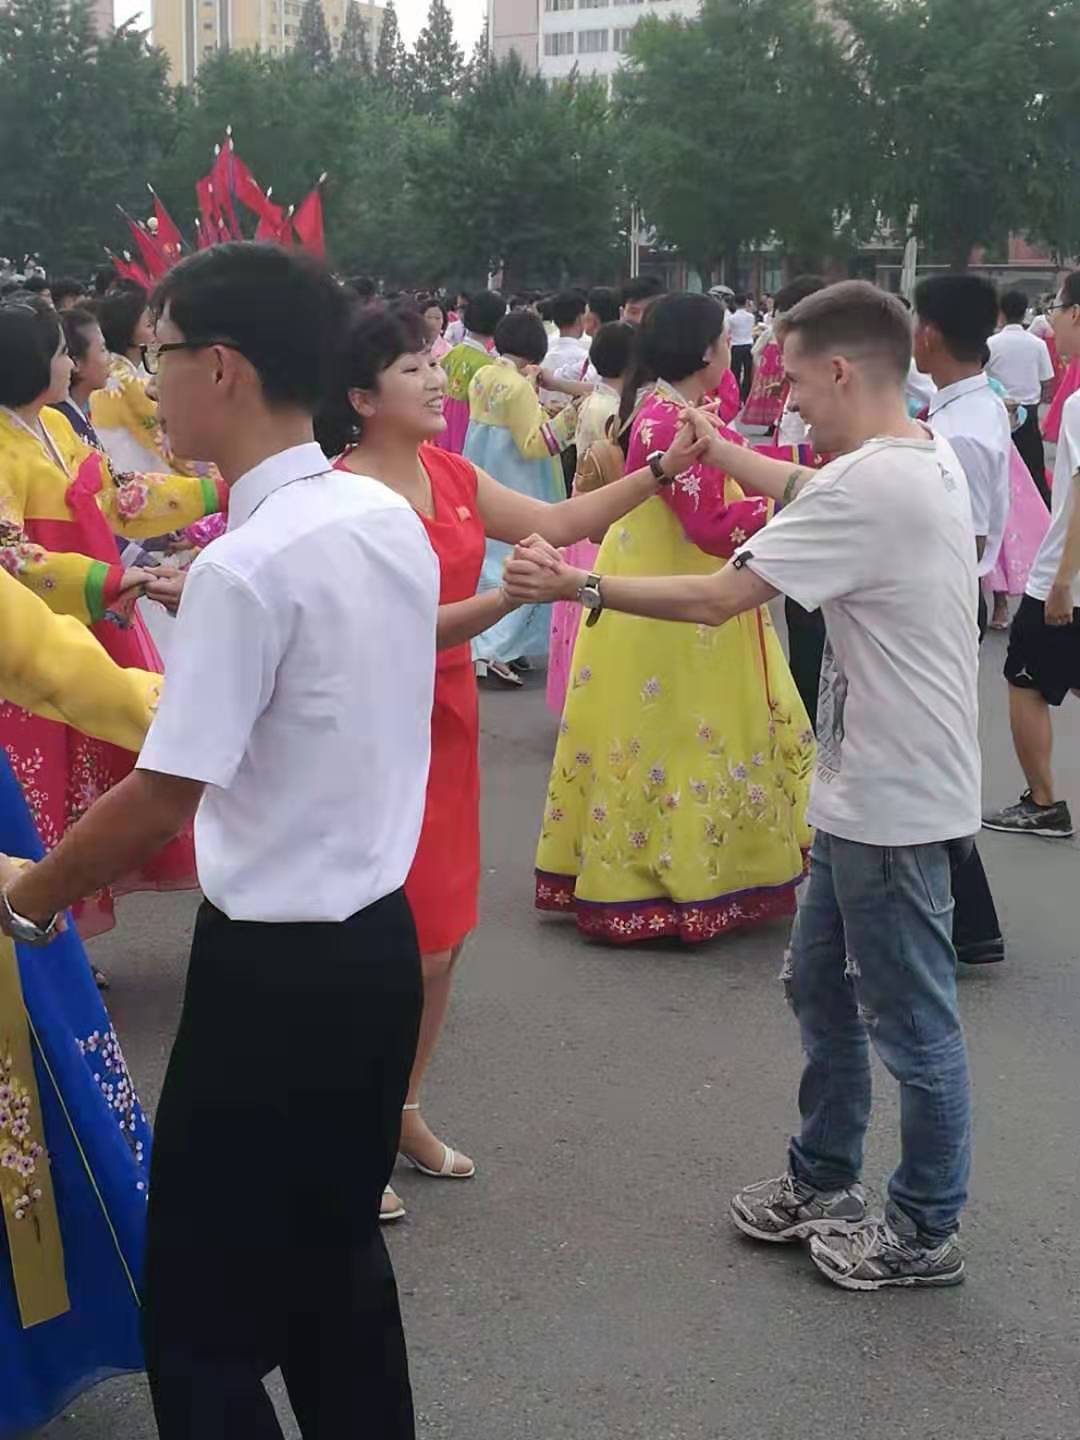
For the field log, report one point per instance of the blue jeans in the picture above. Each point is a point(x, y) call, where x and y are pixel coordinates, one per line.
point(872, 960)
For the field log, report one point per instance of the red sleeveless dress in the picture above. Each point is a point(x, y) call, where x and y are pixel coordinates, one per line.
point(445, 877)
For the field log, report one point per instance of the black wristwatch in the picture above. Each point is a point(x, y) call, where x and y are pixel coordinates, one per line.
point(655, 462)
point(589, 595)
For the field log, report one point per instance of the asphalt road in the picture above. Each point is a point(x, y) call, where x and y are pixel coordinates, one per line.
point(586, 1283)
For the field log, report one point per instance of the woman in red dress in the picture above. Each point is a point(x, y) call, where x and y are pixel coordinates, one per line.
point(384, 426)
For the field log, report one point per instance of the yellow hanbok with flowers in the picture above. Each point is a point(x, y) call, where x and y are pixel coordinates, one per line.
point(677, 799)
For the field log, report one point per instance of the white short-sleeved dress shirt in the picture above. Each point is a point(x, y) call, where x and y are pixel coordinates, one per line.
point(300, 688)
point(1064, 498)
point(975, 422)
point(1020, 362)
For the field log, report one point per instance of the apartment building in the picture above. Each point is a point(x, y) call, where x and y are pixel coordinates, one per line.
point(554, 36)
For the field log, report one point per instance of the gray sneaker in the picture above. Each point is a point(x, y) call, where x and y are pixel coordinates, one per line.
point(1027, 818)
point(875, 1257)
point(785, 1209)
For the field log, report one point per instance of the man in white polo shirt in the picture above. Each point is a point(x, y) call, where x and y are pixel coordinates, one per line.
point(740, 333)
point(1020, 362)
point(304, 767)
point(881, 538)
point(1043, 661)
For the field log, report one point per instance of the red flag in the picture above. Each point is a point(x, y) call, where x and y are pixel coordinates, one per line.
point(248, 191)
point(308, 223)
point(221, 175)
point(213, 225)
point(271, 222)
point(127, 269)
point(203, 237)
point(153, 258)
point(169, 239)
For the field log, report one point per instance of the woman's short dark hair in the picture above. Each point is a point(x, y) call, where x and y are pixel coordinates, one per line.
point(374, 338)
point(431, 302)
point(671, 341)
point(789, 295)
point(29, 338)
point(283, 311)
point(856, 319)
point(66, 287)
point(76, 322)
point(483, 312)
point(118, 315)
point(964, 308)
point(604, 303)
point(1070, 288)
point(522, 333)
point(612, 347)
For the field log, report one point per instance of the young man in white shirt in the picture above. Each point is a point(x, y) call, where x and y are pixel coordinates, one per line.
point(882, 539)
point(1043, 660)
point(304, 770)
point(1020, 362)
point(740, 333)
point(569, 349)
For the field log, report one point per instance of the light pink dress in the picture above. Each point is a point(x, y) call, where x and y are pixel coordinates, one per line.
point(1025, 527)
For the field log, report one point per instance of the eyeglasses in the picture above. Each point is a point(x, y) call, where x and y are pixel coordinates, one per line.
point(151, 354)
point(1062, 305)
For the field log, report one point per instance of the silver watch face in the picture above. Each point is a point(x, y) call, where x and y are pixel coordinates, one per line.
point(589, 595)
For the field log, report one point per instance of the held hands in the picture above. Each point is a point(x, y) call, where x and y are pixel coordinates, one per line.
point(698, 434)
point(166, 585)
point(536, 574)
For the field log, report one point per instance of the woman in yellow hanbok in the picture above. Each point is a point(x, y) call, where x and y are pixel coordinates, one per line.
point(60, 508)
point(677, 798)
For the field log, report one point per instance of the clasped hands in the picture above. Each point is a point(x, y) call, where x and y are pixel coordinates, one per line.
point(163, 583)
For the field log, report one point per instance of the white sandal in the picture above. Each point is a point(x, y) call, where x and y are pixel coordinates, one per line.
point(447, 1171)
point(395, 1213)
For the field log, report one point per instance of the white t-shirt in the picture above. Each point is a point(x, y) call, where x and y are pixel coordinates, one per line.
point(975, 422)
point(300, 688)
point(740, 327)
point(882, 540)
point(563, 352)
point(1062, 501)
point(1021, 363)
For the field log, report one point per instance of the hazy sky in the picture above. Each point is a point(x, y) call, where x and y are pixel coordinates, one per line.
point(468, 17)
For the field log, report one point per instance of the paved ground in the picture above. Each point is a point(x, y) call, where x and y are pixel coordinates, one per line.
point(586, 1284)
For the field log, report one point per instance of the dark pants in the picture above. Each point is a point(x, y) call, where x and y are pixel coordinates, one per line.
point(1028, 440)
point(742, 366)
point(806, 645)
point(276, 1132)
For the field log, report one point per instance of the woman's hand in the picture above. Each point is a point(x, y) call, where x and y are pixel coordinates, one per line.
point(536, 574)
point(689, 447)
point(166, 586)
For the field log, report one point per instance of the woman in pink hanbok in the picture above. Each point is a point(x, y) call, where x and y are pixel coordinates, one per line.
point(1025, 527)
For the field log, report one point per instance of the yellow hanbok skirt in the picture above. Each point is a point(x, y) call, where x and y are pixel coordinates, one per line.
point(677, 799)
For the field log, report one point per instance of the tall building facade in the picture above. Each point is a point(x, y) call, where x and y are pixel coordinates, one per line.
point(554, 36)
point(189, 31)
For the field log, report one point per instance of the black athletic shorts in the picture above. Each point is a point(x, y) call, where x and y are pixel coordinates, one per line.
point(1043, 657)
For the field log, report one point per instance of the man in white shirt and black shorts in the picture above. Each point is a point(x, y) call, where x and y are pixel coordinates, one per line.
point(740, 332)
point(882, 539)
point(1043, 660)
point(294, 729)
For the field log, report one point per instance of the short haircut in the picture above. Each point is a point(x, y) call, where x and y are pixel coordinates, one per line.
point(740, 298)
point(795, 290)
point(118, 314)
point(641, 287)
point(567, 308)
point(612, 347)
point(29, 338)
point(1014, 305)
point(66, 287)
point(854, 319)
point(675, 334)
point(964, 308)
point(36, 285)
point(522, 333)
point(432, 302)
point(76, 322)
point(1070, 288)
point(362, 285)
point(604, 303)
point(282, 309)
point(372, 338)
point(484, 311)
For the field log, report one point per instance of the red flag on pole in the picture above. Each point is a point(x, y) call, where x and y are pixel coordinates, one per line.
point(221, 175)
point(308, 222)
point(169, 239)
point(271, 222)
point(127, 269)
point(153, 258)
point(248, 191)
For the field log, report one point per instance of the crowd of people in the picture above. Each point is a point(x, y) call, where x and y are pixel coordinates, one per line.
point(323, 514)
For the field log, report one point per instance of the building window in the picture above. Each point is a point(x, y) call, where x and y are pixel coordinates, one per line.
point(561, 43)
point(550, 5)
point(620, 38)
point(594, 4)
point(592, 42)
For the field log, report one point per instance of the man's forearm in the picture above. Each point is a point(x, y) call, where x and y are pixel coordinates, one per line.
point(125, 827)
point(697, 599)
point(761, 475)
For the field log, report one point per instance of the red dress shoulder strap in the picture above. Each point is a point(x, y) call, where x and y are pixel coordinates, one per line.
point(454, 475)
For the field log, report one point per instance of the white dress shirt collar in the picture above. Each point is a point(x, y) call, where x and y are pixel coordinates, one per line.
point(959, 387)
point(299, 462)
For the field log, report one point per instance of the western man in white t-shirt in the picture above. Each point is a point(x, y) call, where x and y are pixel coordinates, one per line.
point(882, 539)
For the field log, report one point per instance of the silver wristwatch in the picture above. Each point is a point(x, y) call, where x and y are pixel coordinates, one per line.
point(23, 930)
point(589, 595)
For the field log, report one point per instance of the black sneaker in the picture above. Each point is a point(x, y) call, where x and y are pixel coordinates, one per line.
point(785, 1209)
point(1027, 818)
point(875, 1257)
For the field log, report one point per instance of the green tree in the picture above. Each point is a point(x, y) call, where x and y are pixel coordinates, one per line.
point(762, 159)
point(354, 52)
point(480, 58)
point(438, 62)
point(313, 38)
point(961, 107)
point(537, 198)
point(62, 170)
point(392, 69)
